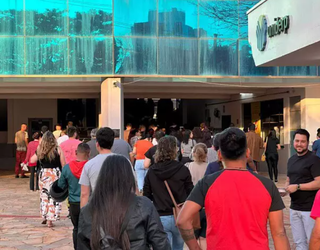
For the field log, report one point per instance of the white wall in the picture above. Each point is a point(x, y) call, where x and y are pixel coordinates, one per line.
point(232, 108)
point(19, 111)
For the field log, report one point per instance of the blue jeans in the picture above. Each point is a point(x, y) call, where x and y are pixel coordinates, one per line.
point(141, 173)
point(172, 231)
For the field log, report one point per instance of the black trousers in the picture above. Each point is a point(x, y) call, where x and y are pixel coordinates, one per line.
point(33, 170)
point(272, 161)
point(74, 214)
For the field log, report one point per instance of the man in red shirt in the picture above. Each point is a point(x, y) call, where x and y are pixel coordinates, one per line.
point(230, 196)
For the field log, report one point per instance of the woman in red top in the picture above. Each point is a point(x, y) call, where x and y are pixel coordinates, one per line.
point(32, 148)
point(139, 149)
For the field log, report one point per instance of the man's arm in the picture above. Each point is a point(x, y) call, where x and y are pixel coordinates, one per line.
point(315, 236)
point(310, 186)
point(147, 163)
point(287, 182)
point(85, 193)
point(251, 164)
point(278, 231)
point(184, 223)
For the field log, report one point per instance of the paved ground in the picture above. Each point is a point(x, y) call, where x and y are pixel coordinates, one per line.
point(20, 222)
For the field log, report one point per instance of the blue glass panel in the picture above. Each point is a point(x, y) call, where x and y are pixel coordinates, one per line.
point(178, 18)
point(46, 17)
point(244, 6)
point(218, 57)
point(178, 56)
point(11, 56)
point(218, 18)
point(91, 56)
point(90, 18)
point(247, 66)
point(11, 17)
point(135, 55)
point(46, 56)
point(135, 17)
point(298, 71)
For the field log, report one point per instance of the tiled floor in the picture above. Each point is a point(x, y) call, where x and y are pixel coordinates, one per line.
point(20, 223)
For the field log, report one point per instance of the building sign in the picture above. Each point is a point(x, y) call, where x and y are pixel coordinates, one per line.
point(281, 26)
point(263, 30)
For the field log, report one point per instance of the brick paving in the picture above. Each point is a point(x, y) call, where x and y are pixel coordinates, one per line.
point(20, 222)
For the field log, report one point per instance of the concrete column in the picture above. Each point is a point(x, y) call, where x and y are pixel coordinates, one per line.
point(112, 104)
point(310, 106)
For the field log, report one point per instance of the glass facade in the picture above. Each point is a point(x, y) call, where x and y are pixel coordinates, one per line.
point(130, 37)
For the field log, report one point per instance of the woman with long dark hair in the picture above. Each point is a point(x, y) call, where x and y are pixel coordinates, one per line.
point(179, 180)
point(116, 217)
point(51, 160)
point(272, 145)
point(187, 145)
point(197, 134)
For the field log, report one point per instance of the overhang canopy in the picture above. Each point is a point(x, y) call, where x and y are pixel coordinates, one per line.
point(285, 32)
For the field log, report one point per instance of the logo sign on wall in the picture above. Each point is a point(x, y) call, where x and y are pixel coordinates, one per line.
point(281, 25)
point(262, 30)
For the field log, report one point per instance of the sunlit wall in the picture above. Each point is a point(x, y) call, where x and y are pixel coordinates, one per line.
point(129, 37)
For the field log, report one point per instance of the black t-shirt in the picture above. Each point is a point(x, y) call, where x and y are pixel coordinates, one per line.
point(272, 145)
point(150, 154)
point(229, 198)
point(303, 169)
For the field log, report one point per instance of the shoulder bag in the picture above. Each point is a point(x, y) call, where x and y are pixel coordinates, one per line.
point(177, 208)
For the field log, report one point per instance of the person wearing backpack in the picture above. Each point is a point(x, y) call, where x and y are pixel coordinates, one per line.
point(178, 178)
point(70, 179)
point(115, 218)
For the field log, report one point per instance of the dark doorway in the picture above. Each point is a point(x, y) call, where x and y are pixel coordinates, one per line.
point(35, 124)
point(226, 121)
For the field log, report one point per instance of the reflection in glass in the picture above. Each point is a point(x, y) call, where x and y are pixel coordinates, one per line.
point(135, 55)
point(247, 66)
point(11, 56)
point(135, 17)
point(90, 18)
point(298, 71)
point(46, 56)
point(178, 56)
point(219, 57)
point(11, 17)
point(91, 56)
point(244, 6)
point(46, 17)
point(178, 18)
point(218, 18)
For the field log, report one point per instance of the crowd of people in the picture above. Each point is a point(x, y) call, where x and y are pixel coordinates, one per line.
point(159, 190)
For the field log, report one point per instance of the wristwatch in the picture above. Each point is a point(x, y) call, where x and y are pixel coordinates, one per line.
point(298, 187)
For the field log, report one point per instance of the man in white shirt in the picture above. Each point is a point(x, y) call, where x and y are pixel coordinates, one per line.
point(90, 173)
point(63, 137)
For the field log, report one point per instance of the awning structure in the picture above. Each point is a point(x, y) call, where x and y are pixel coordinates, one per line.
point(285, 32)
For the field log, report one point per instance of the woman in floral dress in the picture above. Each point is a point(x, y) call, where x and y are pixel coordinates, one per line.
point(51, 160)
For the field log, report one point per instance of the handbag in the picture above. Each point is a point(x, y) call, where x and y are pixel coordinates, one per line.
point(263, 157)
point(177, 209)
